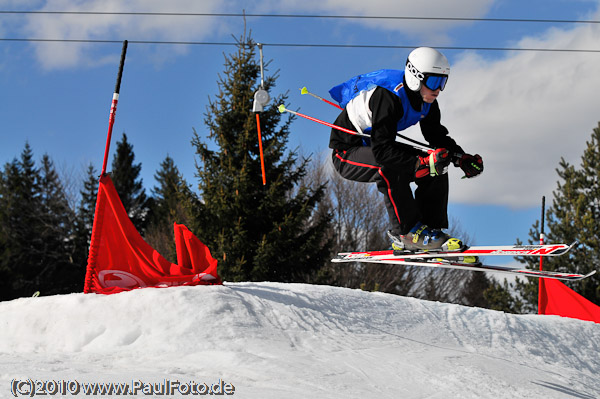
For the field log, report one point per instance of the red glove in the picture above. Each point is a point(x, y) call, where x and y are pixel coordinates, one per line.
point(472, 165)
point(434, 164)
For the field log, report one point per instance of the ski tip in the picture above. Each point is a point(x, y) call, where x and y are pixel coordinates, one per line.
point(281, 108)
point(590, 273)
point(568, 248)
point(578, 277)
point(303, 90)
point(565, 248)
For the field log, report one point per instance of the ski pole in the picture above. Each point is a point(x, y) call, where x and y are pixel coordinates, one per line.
point(113, 107)
point(304, 90)
point(416, 144)
point(260, 149)
point(283, 109)
point(261, 98)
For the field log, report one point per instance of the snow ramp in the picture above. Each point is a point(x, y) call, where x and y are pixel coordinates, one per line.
point(273, 340)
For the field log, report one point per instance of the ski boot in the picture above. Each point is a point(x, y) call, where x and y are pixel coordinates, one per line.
point(397, 244)
point(422, 238)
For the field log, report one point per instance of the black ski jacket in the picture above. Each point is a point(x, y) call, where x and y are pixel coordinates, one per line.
point(387, 111)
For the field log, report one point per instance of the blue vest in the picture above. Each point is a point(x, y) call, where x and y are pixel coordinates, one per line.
point(391, 79)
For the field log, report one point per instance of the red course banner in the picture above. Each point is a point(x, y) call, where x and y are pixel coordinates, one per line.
point(121, 260)
point(555, 298)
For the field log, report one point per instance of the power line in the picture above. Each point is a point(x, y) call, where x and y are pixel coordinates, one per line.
point(187, 14)
point(100, 41)
point(314, 45)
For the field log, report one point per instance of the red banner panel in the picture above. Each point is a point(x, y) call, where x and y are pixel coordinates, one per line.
point(121, 260)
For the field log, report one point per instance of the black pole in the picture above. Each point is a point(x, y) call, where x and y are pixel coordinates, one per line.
point(543, 214)
point(113, 108)
point(121, 64)
point(542, 238)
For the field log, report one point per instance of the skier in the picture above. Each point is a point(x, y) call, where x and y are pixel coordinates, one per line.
point(380, 104)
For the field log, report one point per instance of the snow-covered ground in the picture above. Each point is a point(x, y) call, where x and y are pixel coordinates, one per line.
point(271, 340)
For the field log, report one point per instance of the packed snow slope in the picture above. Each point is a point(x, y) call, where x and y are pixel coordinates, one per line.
point(271, 340)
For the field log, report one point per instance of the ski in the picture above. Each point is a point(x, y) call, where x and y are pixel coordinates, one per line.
point(449, 264)
point(488, 250)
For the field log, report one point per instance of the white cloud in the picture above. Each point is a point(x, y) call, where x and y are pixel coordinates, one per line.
point(522, 113)
point(12, 5)
point(56, 55)
point(434, 31)
point(114, 27)
point(10, 21)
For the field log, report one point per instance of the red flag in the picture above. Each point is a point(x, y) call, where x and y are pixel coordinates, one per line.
point(555, 298)
point(121, 260)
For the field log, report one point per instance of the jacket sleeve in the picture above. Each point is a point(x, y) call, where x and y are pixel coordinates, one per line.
point(435, 133)
point(386, 112)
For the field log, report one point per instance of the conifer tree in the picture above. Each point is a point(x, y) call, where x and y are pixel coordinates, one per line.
point(10, 217)
point(35, 229)
point(472, 292)
point(169, 199)
point(5, 271)
point(483, 291)
point(498, 297)
point(256, 232)
point(57, 273)
point(166, 194)
point(126, 178)
point(20, 223)
point(573, 215)
point(85, 216)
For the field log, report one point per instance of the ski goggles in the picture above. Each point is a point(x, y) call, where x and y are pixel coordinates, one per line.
point(434, 82)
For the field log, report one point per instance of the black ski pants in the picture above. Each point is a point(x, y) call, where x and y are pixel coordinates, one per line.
point(429, 205)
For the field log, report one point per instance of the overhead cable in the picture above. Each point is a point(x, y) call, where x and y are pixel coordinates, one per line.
point(250, 15)
point(313, 45)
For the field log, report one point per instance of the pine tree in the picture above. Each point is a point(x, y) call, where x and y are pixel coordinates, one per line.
point(85, 216)
point(5, 271)
point(166, 194)
point(57, 220)
point(21, 206)
point(472, 293)
point(498, 297)
point(35, 229)
point(483, 291)
point(169, 199)
point(125, 176)
point(10, 189)
point(573, 215)
point(257, 232)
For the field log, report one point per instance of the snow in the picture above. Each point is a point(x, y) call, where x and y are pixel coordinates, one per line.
point(274, 340)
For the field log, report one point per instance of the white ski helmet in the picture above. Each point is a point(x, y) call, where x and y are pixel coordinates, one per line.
point(426, 66)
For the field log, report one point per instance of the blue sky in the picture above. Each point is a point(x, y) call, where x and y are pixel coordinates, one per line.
point(521, 110)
